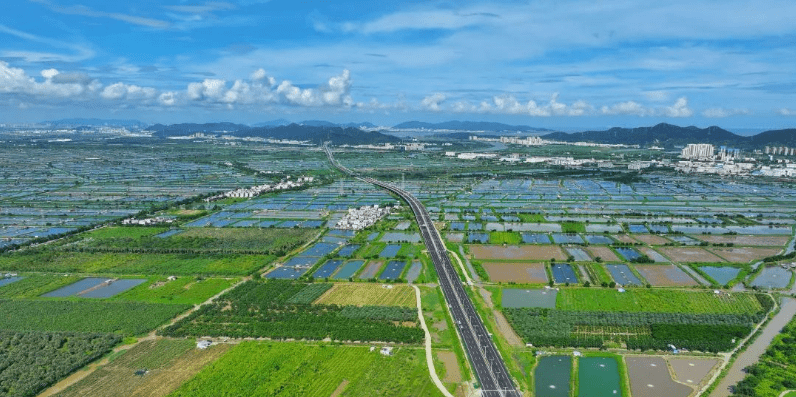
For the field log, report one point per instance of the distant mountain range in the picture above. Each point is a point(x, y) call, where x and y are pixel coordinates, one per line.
point(315, 134)
point(667, 135)
point(456, 125)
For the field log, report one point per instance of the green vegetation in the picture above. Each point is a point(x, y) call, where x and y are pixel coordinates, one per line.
point(309, 293)
point(776, 370)
point(392, 313)
point(657, 300)
point(183, 290)
point(531, 218)
point(32, 361)
point(638, 330)
point(125, 318)
point(276, 242)
point(296, 369)
point(133, 263)
point(573, 227)
point(512, 238)
point(262, 309)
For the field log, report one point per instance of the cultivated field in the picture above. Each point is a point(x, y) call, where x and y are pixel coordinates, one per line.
point(761, 241)
point(514, 252)
point(651, 239)
point(527, 273)
point(689, 254)
point(168, 364)
point(296, 369)
point(361, 294)
point(744, 254)
point(656, 300)
point(665, 276)
point(604, 253)
point(129, 318)
point(34, 285)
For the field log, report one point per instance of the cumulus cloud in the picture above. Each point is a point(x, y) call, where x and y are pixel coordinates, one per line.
point(433, 101)
point(786, 112)
point(335, 92)
point(679, 109)
point(721, 112)
point(125, 91)
point(16, 81)
point(626, 108)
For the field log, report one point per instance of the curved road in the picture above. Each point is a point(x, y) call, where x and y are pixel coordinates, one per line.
point(486, 361)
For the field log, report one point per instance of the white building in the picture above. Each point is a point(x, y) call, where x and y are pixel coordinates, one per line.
point(698, 151)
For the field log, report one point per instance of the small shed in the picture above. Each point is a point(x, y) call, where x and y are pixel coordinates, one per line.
point(203, 344)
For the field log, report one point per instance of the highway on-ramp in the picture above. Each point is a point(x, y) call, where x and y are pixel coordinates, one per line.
point(486, 361)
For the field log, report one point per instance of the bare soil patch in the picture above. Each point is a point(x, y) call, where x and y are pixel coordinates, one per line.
point(452, 372)
point(692, 371)
point(760, 241)
point(744, 254)
point(651, 239)
point(604, 253)
point(665, 276)
point(528, 273)
point(689, 254)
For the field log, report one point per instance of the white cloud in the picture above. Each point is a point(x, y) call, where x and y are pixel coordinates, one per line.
point(335, 92)
point(49, 73)
point(657, 96)
point(90, 12)
point(679, 109)
point(786, 112)
point(721, 112)
point(168, 98)
point(125, 91)
point(626, 108)
point(508, 104)
point(433, 101)
point(16, 81)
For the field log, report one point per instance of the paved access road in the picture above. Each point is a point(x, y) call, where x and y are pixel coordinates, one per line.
point(486, 361)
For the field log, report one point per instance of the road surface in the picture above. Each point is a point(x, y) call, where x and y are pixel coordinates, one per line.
point(489, 367)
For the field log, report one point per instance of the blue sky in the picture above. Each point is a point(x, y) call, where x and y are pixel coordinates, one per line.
point(556, 64)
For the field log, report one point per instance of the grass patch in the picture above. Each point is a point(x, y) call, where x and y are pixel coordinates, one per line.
point(656, 301)
point(183, 290)
point(296, 369)
point(573, 227)
point(512, 238)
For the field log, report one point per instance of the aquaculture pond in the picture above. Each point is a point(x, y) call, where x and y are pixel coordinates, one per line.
point(112, 289)
point(327, 268)
point(348, 270)
point(535, 238)
point(393, 270)
point(9, 280)
point(414, 271)
point(552, 375)
point(623, 275)
point(722, 275)
point(390, 251)
point(75, 288)
point(772, 277)
point(628, 253)
point(598, 377)
point(478, 237)
point(598, 239)
point(518, 298)
point(563, 273)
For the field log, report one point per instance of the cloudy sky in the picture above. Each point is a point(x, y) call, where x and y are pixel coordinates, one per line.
point(557, 64)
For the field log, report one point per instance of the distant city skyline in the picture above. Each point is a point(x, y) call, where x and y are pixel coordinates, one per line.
point(573, 65)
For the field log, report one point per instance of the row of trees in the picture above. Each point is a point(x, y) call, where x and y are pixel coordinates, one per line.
point(278, 309)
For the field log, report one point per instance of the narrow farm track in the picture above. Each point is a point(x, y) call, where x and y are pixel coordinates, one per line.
point(429, 356)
